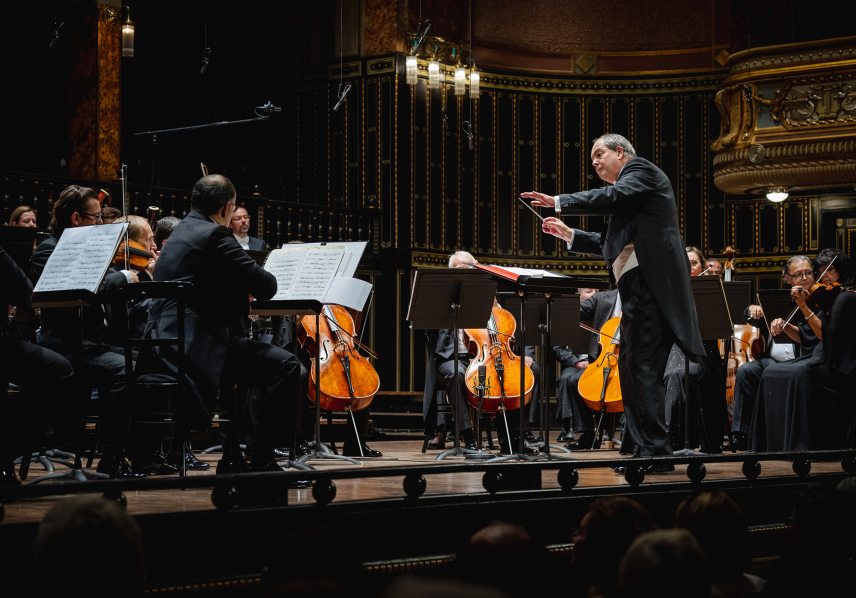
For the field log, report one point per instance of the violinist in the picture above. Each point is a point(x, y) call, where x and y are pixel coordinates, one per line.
point(37, 371)
point(82, 335)
point(713, 267)
point(642, 246)
point(142, 251)
point(203, 250)
point(23, 216)
point(788, 414)
point(440, 375)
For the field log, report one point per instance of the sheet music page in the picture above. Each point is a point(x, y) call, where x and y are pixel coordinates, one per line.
point(318, 270)
point(350, 292)
point(81, 258)
point(316, 273)
point(284, 263)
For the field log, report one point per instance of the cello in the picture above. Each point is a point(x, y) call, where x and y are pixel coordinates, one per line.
point(501, 385)
point(599, 385)
point(347, 380)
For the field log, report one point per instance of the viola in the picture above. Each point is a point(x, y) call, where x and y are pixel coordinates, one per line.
point(347, 380)
point(138, 256)
point(502, 367)
point(599, 385)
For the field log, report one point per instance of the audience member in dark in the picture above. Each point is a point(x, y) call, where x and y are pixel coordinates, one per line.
point(664, 562)
point(721, 529)
point(88, 546)
point(163, 229)
point(605, 532)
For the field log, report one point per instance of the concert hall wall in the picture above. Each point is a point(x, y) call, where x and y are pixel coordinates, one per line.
point(394, 166)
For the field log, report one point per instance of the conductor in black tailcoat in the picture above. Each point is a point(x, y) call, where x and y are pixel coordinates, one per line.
point(203, 251)
point(643, 248)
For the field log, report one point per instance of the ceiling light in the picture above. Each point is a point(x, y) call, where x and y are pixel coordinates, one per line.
point(777, 194)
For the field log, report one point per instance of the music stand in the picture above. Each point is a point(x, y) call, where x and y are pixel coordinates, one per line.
point(561, 331)
point(451, 299)
point(714, 322)
point(294, 308)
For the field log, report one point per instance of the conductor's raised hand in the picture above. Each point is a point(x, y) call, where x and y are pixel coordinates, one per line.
point(539, 200)
point(554, 226)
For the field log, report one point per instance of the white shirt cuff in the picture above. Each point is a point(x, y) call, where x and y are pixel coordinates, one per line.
point(571, 242)
point(127, 274)
point(556, 205)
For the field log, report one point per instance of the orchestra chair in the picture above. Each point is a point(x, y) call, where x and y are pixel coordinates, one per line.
point(81, 421)
point(157, 397)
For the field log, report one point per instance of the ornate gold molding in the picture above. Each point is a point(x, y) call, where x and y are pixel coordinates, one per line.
point(788, 119)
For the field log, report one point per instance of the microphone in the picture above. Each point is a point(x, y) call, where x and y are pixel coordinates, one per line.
point(482, 372)
point(421, 37)
point(55, 38)
point(267, 109)
point(342, 97)
point(206, 57)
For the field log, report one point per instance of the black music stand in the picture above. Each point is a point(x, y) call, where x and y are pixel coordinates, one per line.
point(714, 322)
point(295, 308)
point(561, 331)
point(451, 299)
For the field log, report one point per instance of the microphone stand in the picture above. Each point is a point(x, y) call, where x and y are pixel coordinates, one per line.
point(262, 113)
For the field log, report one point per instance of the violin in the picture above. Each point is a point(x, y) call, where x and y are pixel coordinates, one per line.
point(347, 380)
point(599, 385)
point(821, 295)
point(499, 387)
point(138, 256)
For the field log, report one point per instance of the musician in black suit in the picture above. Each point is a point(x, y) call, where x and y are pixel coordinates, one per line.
point(84, 336)
point(643, 247)
point(203, 251)
point(37, 371)
point(240, 226)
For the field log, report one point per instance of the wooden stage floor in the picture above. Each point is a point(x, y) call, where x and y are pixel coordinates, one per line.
point(398, 453)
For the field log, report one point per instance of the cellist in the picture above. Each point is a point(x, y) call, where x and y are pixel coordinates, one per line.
point(598, 308)
point(440, 375)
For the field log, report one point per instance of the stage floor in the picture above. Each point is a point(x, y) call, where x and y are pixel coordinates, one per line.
point(354, 482)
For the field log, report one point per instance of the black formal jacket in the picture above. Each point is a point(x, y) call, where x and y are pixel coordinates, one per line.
point(224, 276)
point(641, 208)
point(257, 244)
point(441, 348)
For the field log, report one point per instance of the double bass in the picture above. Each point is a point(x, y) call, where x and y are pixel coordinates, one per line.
point(348, 381)
point(501, 366)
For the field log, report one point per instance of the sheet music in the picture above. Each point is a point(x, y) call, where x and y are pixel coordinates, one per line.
point(284, 264)
point(81, 258)
point(316, 273)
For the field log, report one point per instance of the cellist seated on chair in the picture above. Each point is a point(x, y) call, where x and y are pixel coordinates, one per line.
point(440, 375)
point(203, 251)
point(598, 308)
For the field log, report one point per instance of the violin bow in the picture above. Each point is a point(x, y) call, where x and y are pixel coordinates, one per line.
point(124, 179)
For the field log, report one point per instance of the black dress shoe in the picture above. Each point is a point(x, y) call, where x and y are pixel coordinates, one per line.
point(438, 442)
point(565, 437)
point(741, 441)
point(124, 471)
point(585, 442)
point(354, 451)
point(192, 462)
